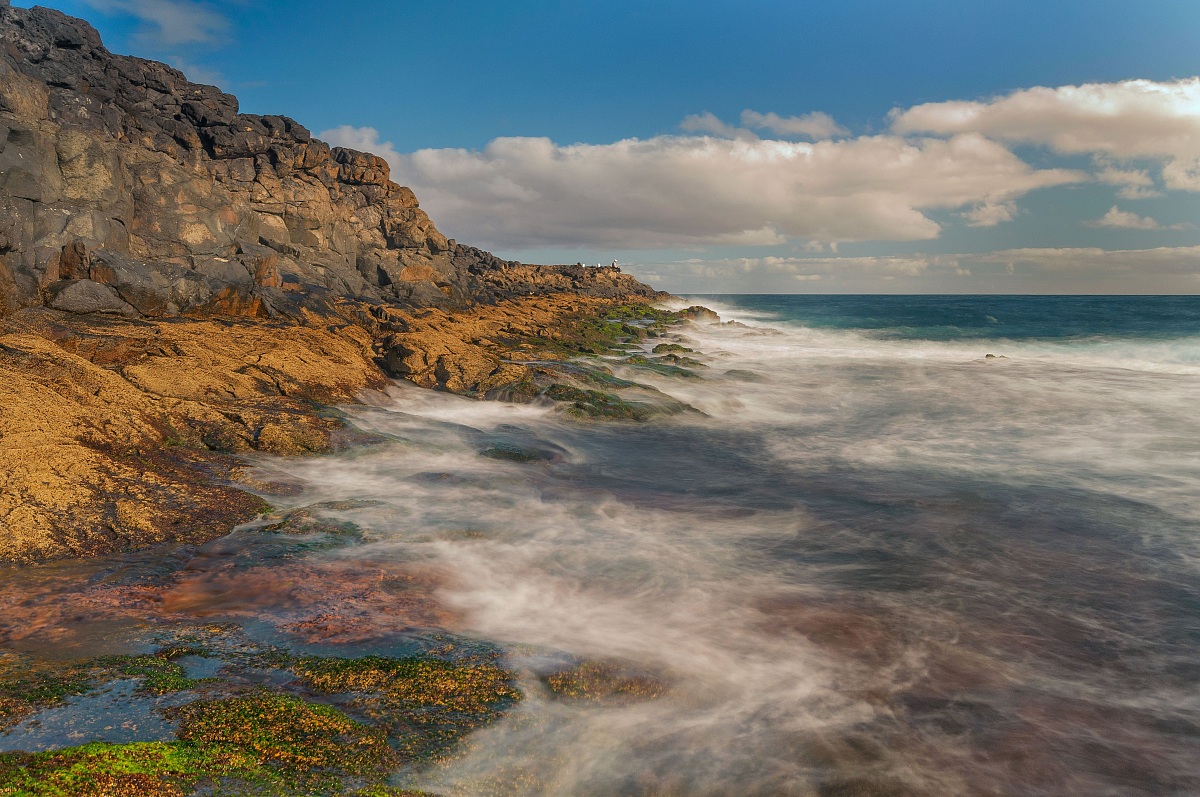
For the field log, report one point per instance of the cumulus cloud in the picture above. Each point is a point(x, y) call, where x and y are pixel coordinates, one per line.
point(166, 23)
point(753, 183)
point(707, 122)
point(816, 125)
point(1129, 120)
point(1123, 219)
point(1134, 183)
point(696, 190)
point(989, 214)
point(808, 268)
point(1084, 259)
point(363, 139)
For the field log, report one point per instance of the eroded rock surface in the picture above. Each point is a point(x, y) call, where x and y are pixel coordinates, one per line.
point(119, 170)
point(181, 283)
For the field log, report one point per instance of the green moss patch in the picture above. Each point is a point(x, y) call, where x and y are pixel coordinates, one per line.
point(661, 365)
point(27, 685)
point(603, 682)
point(159, 673)
point(153, 769)
point(260, 744)
point(584, 403)
point(269, 740)
point(285, 732)
point(426, 705)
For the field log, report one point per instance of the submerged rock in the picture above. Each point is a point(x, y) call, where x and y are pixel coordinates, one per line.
point(699, 313)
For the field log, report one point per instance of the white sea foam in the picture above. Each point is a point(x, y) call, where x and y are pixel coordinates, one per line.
point(865, 551)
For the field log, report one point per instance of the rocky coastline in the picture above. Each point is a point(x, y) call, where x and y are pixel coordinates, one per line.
point(181, 283)
point(183, 286)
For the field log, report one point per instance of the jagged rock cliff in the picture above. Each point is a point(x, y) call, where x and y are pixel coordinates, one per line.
point(181, 284)
point(126, 189)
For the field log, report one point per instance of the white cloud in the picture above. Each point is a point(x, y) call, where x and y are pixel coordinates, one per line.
point(805, 269)
point(1093, 261)
point(1039, 270)
point(707, 122)
point(195, 72)
point(363, 139)
point(1128, 120)
point(1184, 260)
point(816, 125)
point(723, 184)
point(1138, 192)
point(523, 193)
point(1124, 220)
point(1114, 176)
point(989, 214)
point(166, 23)
point(1135, 183)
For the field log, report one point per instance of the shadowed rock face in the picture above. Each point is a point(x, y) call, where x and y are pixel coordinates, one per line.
point(120, 171)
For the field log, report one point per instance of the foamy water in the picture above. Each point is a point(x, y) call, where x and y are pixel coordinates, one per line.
point(874, 565)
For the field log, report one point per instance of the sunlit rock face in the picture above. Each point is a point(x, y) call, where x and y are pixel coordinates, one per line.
point(131, 199)
point(211, 208)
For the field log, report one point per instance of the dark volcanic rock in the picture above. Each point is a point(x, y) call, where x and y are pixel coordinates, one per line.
point(85, 296)
point(179, 195)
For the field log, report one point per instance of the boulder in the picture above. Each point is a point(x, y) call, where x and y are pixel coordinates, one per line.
point(155, 289)
point(86, 296)
point(700, 313)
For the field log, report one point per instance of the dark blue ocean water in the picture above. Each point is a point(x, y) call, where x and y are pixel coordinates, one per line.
point(984, 317)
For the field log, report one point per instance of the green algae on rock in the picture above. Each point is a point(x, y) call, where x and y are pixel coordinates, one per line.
point(584, 403)
point(266, 741)
point(283, 731)
point(425, 704)
point(598, 681)
point(667, 348)
point(264, 721)
point(27, 685)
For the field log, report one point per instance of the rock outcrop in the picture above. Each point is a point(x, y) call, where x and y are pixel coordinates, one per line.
point(120, 171)
point(181, 283)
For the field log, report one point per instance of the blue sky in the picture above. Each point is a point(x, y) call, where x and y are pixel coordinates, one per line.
point(750, 146)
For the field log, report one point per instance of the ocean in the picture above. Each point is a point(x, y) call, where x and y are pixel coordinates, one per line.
point(902, 546)
point(906, 545)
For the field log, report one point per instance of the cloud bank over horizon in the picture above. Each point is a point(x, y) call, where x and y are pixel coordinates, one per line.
point(808, 183)
point(1023, 270)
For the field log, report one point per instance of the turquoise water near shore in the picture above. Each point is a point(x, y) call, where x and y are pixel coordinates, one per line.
point(876, 562)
